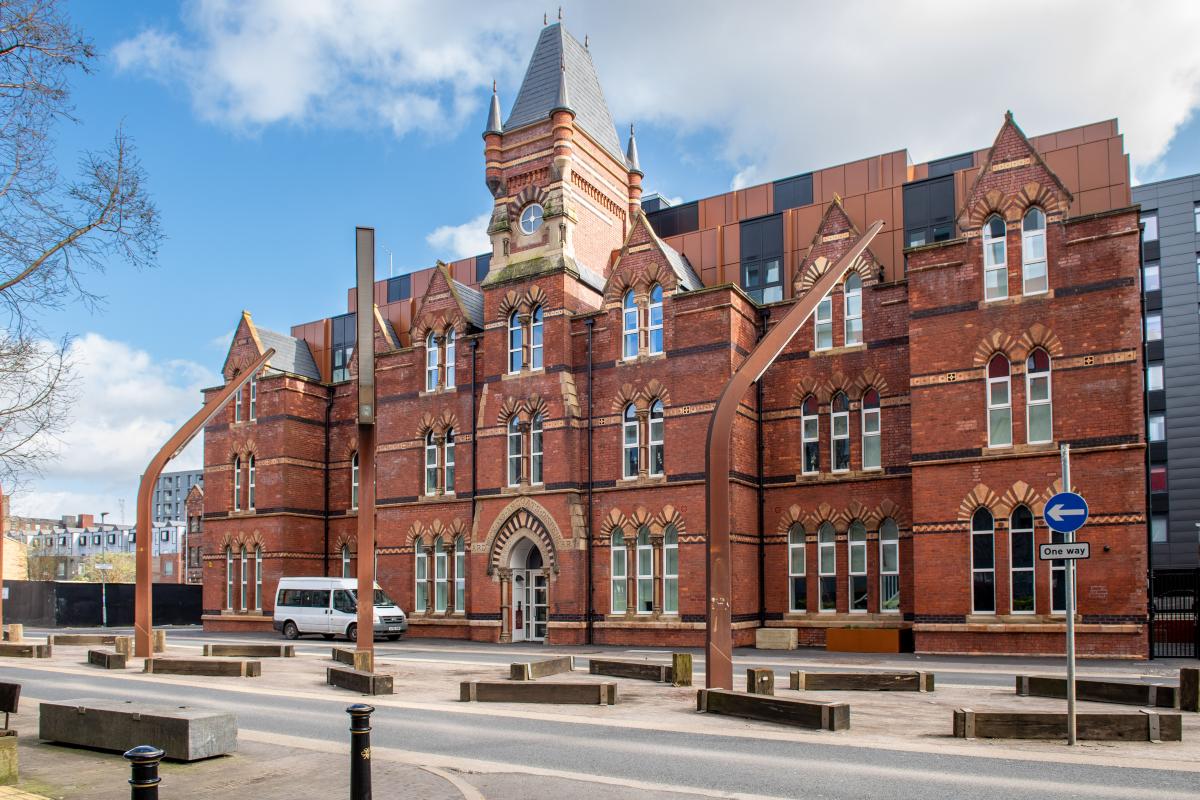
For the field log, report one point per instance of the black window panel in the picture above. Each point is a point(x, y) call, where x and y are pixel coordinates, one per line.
point(344, 333)
point(676, 220)
point(929, 211)
point(654, 203)
point(344, 336)
point(483, 263)
point(950, 165)
point(793, 192)
point(1151, 250)
point(399, 288)
point(762, 237)
point(762, 258)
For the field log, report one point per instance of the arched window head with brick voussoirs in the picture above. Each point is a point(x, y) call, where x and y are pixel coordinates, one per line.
point(421, 577)
point(448, 460)
point(431, 362)
point(229, 577)
point(237, 483)
point(655, 439)
point(839, 418)
point(441, 585)
point(1034, 278)
point(451, 354)
point(854, 321)
point(346, 561)
point(999, 402)
point(354, 481)
point(631, 442)
point(827, 566)
point(655, 316)
point(823, 324)
point(871, 431)
point(536, 339)
point(515, 343)
point(797, 566)
point(857, 539)
point(618, 574)
point(250, 483)
point(995, 259)
point(983, 562)
point(535, 450)
point(889, 566)
point(810, 437)
point(431, 464)
point(645, 572)
point(1039, 417)
point(1022, 560)
point(460, 575)
point(629, 326)
point(514, 451)
point(670, 570)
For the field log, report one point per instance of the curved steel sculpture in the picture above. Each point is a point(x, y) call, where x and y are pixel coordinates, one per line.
point(718, 651)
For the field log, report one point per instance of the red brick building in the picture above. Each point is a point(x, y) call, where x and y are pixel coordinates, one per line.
point(542, 409)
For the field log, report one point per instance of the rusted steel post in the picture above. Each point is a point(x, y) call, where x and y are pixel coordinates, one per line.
point(718, 649)
point(364, 247)
point(143, 647)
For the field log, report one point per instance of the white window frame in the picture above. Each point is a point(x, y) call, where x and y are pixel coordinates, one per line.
point(536, 339)
point(618, 578)
point(654, 315)
point(448, 462)
point(806, 439)
point(441, 578)
point(354, 480)
point(460, 575)
point(823, 322)
point(345, 555)
point(237, 404)
point(250, 483)
point(852, 305)
point(630, 425)
point(1031, 404)
point(991, 266)
point(431, 469)
point(537, 451)
point(1154, 334)
point(872, 428)
point(451, 355)
point(245, 579)
point(654, 439)
point(974, 570)
point(513, 463)
point(421, 578)
point(1029, 239)
point(670, 600)
point(856, 543)
point(1013, 569)
point(998, 408)
point(644, 562)
point(797, 570)
point(1151, 370)
point(258, 564)
point(629, 326)
point(515, 344)
point(253, 398)
point(889, 539)
point(826, 546)
point(1159, 421)
point(431, 362)
point(237, 483)
point(1153, 268)
point(229, 577)
point(836, 417)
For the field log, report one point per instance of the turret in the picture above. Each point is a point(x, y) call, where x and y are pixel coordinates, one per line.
point(491, 147)
point(635, 173)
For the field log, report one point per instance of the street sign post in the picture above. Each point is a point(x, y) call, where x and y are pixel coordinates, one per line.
point(103, 594)
point(1066, 512)
point(1064, 552)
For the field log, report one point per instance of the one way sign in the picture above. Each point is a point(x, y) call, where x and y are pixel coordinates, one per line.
point(1065, 512)
point(1064, 551)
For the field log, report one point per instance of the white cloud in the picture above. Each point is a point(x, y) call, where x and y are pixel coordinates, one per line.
point(127, 406)
point(461, 241)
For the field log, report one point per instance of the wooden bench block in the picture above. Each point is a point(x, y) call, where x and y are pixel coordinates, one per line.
point(14, 632)
point(24, 650)
point(1189, 689)
point(529, 692)
point(862, 681)
point(532, 670)
point(1126, 692)
point(785, 711)
point(760, 681)
point(106, 659)
point(250, 650)
point(360, 660)
point(160, 641)
point(84, 639)
point(357, 680)
point(635, 670)
point(681, 669)
point(1142, 726)
point(775, 638)
point(217, 667)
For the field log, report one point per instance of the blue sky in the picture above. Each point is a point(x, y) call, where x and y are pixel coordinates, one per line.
point(270, 129)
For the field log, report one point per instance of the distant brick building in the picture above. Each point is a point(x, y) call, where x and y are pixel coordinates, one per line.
point(542, 408)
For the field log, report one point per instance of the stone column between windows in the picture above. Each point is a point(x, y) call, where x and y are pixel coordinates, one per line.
point(526, 346)
point(523, 428)
point(439, 446)
point(505, 604)
point(643, 417)
point(439, 342)
point(631, 575)
point(659, 561)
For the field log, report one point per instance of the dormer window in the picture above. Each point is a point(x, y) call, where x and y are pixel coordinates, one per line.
point(531, 219)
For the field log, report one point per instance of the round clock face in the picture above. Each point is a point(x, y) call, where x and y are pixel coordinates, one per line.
point(531, 218)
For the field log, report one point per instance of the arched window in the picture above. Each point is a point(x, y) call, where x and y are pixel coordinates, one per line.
point(431, 362)
point(258, 578)
point(645, 572)
point(460, 575)
point(451, 354)
point(245, 578)
point(670, 570)
point(983, 563)
point(346, 561)
point(656, 320)
point(629, 461)
point(1039, 415)
point(448, 460)
point(839, 416)
point(618, 576)
point(870, 430)
point(889, 566)
point(228, 577)
point(237, 483)
point(827, 566)
point(431, 463)
point(514, 451)
point(1020, 537)
point(629, 326)
point(440, 583)
point(823, 323)
point(514, 343)
point(797, 565)
point(254, 398)
point(250, 483)
point(810, 436)
point(1033, 252)
point(995, 259)
point(656, 465)
point(854, 323)
point(354, 481)
point(999, 402)
point(857, 539)
point(535, 450)
point(535, 339)
point(421, 572)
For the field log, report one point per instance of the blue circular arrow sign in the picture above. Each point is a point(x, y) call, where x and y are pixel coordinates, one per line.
point(1065, 512)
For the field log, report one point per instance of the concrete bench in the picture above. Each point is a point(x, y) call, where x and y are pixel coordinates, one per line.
point(1142, 726)
point(532, 670)
point(604, 694)
point(106, 659)
point(862, 681)
point(250, 650)
point(24, 650)
point(357, 680)
point(183, 732)
point(785, 711)
point(218, 667)
point(635, 670)
point(1154, 695)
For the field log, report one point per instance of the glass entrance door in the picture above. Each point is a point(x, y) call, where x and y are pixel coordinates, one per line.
point(537, 606)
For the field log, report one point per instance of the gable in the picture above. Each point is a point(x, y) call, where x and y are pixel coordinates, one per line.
point(446, 303)
point(836, 234)
point(645, 260)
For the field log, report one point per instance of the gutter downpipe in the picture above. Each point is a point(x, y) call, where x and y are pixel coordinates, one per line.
point(590, 323)
point(474, 460)
point(764, 315)
point(328, 421)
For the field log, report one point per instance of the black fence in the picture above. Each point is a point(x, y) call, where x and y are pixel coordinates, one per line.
point(1174, 632)
point(68, 604)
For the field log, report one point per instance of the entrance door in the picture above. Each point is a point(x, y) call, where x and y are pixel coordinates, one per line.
point(530, 594)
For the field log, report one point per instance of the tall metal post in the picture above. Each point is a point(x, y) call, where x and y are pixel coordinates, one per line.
point(360, 751)
point(364, 247)
point(1066, 479)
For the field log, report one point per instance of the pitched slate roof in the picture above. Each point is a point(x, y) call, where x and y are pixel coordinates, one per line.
point(688, 279)
point(291, 355)
point(471, 301)
point(555, 50)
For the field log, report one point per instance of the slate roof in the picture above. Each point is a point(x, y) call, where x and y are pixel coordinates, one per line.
point(688, 278)
point(291, 355)
point(471, 301)
point(539, 90)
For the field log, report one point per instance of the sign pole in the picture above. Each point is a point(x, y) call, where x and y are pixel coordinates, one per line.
point(364, 248)
point(1066, 479)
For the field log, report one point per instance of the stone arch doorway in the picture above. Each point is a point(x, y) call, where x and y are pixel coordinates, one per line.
point(524, 593)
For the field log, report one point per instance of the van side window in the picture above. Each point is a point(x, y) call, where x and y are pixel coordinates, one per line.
point(288, 597)
point(342, 601)
point(316, 598)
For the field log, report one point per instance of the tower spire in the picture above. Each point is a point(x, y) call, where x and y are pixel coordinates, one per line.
point(631, 154)
point(493, 121)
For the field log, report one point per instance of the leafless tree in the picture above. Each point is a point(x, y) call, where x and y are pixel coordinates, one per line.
point(54, 232)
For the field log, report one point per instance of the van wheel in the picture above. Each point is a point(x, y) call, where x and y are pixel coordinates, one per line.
point(326, 636)
point(352, 632)
point(290, 631)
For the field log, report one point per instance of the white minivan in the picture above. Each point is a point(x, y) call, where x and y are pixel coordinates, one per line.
point(329, 606)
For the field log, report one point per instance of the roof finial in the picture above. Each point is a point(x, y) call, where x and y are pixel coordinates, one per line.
point(585, 41)
point(631, 154)
point(493, 85)
point(545, 18)
point(560, 13)
point(493, 122)
point(562, 101)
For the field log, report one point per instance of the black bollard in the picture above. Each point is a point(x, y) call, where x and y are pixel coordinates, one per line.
point(360, 751)
point(143, 762)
